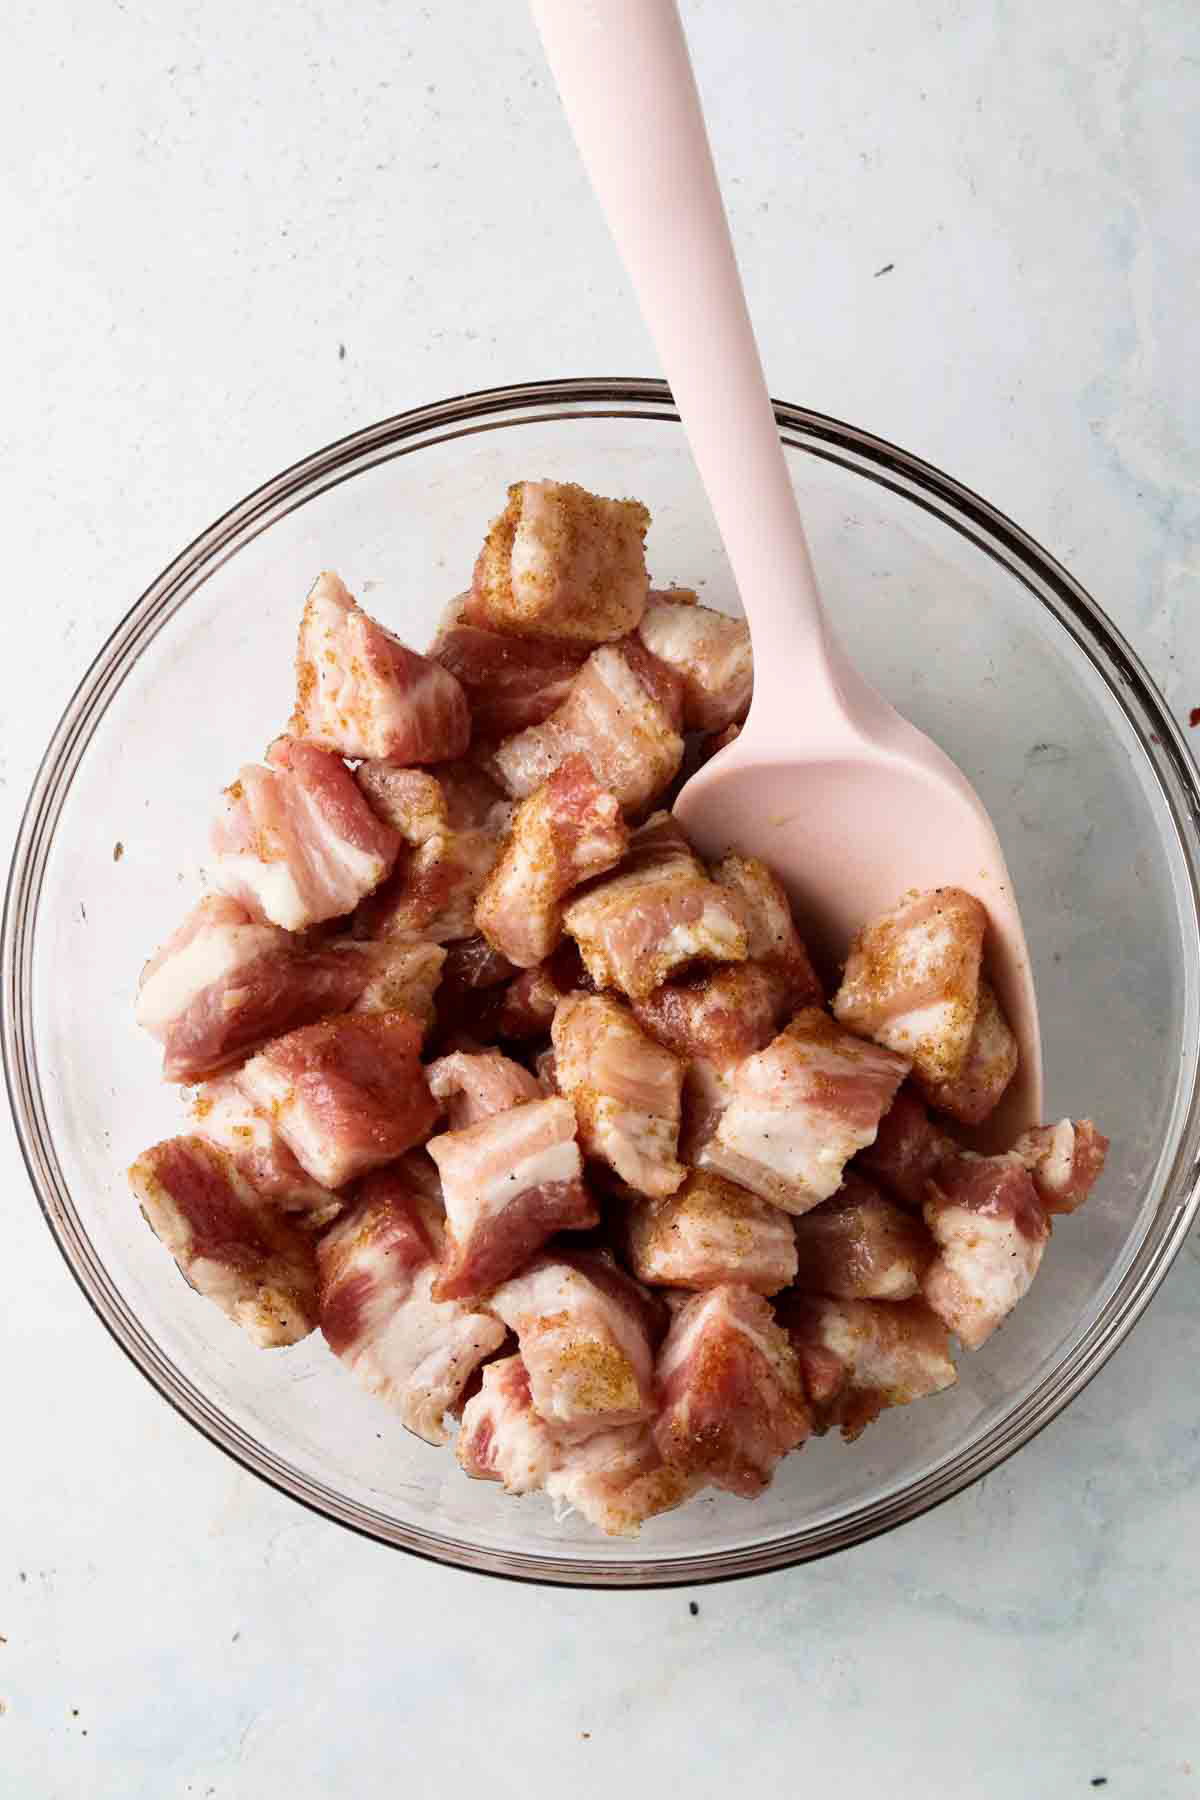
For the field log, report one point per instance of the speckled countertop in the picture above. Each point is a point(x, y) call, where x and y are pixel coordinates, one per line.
point(234, 233)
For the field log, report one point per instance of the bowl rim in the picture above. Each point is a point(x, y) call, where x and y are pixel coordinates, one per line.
point(1124, 675)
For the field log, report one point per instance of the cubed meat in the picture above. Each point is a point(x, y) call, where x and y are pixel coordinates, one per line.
point(377, 1269)
point(617, 1480)
point(977, 1089)
point(709, 650)
point(469, 1087)
point(502, 1438)
point(990, 1230)
point(654, 915)
point(531, 1000)
point(1065, 1160)
point(772, 940)
point(906, 1150)
point(860, 1356)
point(510, 682)
point(718, 1016)
point(510, 1182)
point(346, 1095)
point(626, 1089)
point(620, 713)
point(568, 830)
point(400, 977)
point(221, 1114)
point(800, 1109)
point(361, 692)
point(732, 1391)
point(471, 994)
point(562, 563)
point(240, 1253)
point(451, 820)
point(295, 840)
point(912, 980)
point(860, 1246)
point(587, 1335)
point(709, 1232)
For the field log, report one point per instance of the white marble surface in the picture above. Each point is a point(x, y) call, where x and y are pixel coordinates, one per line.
point(233, 233)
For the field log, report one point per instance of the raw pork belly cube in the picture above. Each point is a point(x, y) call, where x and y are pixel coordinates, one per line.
point(1065, 1161)
point(732, 1391)
point(295, 840)
point(771, 936)
point(860, 1356)
point(800, 1109)
point(510, 1182)
point(502, 1438)
point(617, 1480)
point(473, 1087)
point(531, 1001)
point(976, 1091)
point(257, 1266)
point(401, 977)
point(859, 1246)
point(587, 1335)
point(990, 1229)
point(626, 1090)
point(717, 1016)
point(378, 1314)
point(452, 820)
point(222, 1115)
point(361, 692)
point(654, 915)
point(509, 682)
point(709, 650)
point(708, 1232)
point(345, 1095)
point(907, 1149)
point(562, 563)
point(912, 980)
point(569, 829)
point(621, 713)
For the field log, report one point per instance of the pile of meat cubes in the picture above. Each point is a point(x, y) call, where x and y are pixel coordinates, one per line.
point(547, 1127)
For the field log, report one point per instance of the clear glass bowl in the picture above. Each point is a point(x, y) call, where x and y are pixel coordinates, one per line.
point(971, 629)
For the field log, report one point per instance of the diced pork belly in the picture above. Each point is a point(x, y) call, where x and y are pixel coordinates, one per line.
point(977, 1089)
point(473, 1087)
point(587, 1335)
point(378, 1314)
point(990, 1229)
point(772, 939)
point(912, 980)
point(860, 1356)
point(709, 650)
point(709, 1232)
point(719, 1016)
point(295, 840)
point(617, 1480)
point(471, 994)
point(531, 1000)
point(615, 716)
point(510, 1181)
point(401, 977)
point(654, 915)
point(732, 1391)
point(562, 563)
point(502, 1437)
point(1065, 1160)
point(800, 1109)
point(345, 1095)
point(626, 1089)
point(568, 830)
point(707, 1091)
point(452, 820)
point(257, 1266)
point(361, 692)
point(221, 1114)
point(509, 682)
point(860, 1246)
point(907, 1149)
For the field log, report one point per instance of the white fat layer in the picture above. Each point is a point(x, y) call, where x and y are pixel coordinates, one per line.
point(1057, 1165)
point(555, 1162)
point(800, 1150)
point(639, 1145)
point(523, 1451)
point(986, 1265)
point(554, 1289)
point(207, 958)
point(272, 884)
point(902, 1371)
point(532, 564)
point(938, 1022)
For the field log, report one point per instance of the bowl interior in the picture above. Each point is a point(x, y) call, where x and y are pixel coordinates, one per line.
point(964, 629)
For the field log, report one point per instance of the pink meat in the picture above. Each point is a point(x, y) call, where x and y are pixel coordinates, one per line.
point(800, 1109)
point(377, 1269)
point(860, 1246)
point(562, 563)
point(531, 1000)
point(709, 650)
point(990, 1230)
point(731, 1389)
point(473, 1087)
point(361, 692)
point(346, 1095)
point(1065, 1160)
point(510, 1182)
point(237, 1251)
point(451, 820)
point(569, 829)
point(860, 1356)
point(977, 1089)
point(772, 940)
point(617, 1480)
point(221, 1114)
point(502, 1438)
point(626, 1089)
point(509, 682)
point(907, 1149)
point(295, 841)
point(709, 1232)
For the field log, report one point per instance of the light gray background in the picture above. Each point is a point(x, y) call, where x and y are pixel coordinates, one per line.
point(233, 232)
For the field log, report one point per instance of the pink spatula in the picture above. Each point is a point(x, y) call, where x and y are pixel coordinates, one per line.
point(847, 801)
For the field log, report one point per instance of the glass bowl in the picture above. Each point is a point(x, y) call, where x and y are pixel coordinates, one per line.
point(971, 629)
